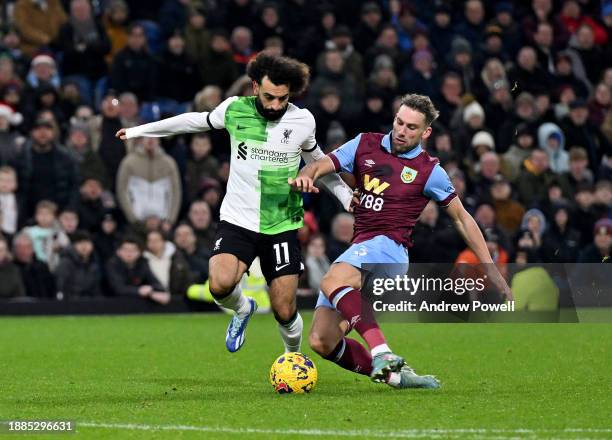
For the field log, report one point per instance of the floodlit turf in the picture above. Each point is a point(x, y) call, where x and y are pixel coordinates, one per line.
point(170, 377)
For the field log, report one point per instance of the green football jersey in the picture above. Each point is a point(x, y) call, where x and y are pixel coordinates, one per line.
point(264, 155)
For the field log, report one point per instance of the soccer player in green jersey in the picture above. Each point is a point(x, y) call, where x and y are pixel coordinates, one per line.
point(260, 213)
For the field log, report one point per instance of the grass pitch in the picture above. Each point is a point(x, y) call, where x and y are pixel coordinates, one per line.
point(169, 376)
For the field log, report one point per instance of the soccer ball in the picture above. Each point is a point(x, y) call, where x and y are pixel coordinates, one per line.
point(293, 373)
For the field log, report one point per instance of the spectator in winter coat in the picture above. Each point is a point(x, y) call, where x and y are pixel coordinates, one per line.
point(552, 140)
point(37, 279)
point(11, 141)
point(167, 264)
point(197, 257)
point(200, 164)
point(534, 179)
point(561, 241)
point(46, 171)
point(520, 150)
point(38, 23)
point(434, 239)
point(9, 204)
point(134, 68)
point(601, 248)
point(148, 183)
point(317, 263)
point(12, 284)
point(200, 219)
point(79, 273)
point(46, 234)
point(115, 25)
point(83, 43)
point(129, 274)
point(508, 212)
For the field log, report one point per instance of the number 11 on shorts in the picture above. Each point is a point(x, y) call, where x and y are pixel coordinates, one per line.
point(280, 263)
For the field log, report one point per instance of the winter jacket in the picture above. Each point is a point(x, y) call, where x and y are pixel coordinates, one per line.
point(38, 26)
point(135, 72)
point(149, 186)
point(509, 214)
point(10, 148)
point(344, 83)
point(560, 246)
point(533, 188)
point(47, 243)
point(558, 158)
point(513, 160)
point(12, 284)
point(196, 170)
point(125, 281)
point(88, 62)
point(218, 68)
point(64, 187)
point(316, 269)
point(37, 279)
point(178, 77)
point(171, 269)
point(76, 277)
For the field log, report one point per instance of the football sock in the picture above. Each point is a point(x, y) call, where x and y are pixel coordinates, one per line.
point(360, 315)
point(291, 332)
point(394, 379)
point(351, 355)
point(382, 348)
point(235, 301)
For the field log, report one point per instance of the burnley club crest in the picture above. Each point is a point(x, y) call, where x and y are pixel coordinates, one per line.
point(408, 175)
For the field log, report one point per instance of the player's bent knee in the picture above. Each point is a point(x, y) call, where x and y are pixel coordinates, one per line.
point(284, 313)
point(320, 344)
point(329, 283)
point(221, 285)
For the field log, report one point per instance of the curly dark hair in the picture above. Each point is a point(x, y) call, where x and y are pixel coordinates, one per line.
point(281, 71)
point(422, 104)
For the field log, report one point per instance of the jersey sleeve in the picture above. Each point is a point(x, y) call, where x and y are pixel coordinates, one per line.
point(439, 187)
point(343, 157)
point(310, 144)
point(216, 118)
point(191, 122)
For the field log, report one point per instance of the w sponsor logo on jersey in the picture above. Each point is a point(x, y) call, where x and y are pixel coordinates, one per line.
point(242, 151)
point(408, 175)
point(374, 184)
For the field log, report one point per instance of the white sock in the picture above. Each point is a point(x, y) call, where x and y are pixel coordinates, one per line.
point(235, 301)
point(382, 348)
point(291, 334)
point(394, 379)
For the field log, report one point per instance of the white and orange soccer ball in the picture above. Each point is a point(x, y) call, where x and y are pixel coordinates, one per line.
point(293, 373)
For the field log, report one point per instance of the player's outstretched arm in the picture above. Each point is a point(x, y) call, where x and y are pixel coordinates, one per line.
point(304, 181)
point(191, 122)
point(470, 231)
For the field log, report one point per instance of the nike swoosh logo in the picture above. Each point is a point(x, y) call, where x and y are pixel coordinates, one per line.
point(282, 266)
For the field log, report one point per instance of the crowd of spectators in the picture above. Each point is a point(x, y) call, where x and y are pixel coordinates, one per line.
point(525, 128)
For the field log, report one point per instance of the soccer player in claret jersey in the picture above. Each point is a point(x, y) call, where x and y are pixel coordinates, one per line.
point(260, 214)
point(396, 179)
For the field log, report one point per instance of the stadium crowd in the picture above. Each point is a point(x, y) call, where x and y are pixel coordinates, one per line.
point(525, 128)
